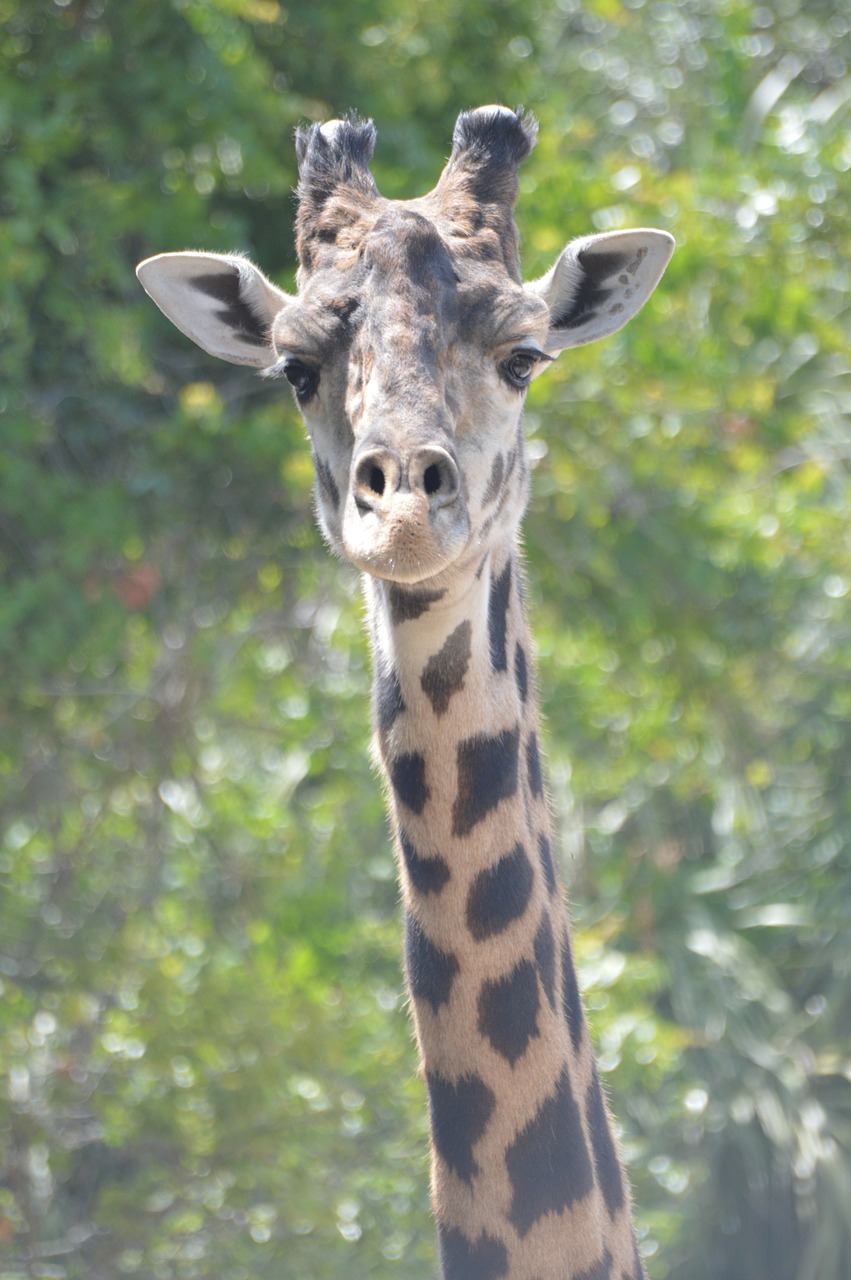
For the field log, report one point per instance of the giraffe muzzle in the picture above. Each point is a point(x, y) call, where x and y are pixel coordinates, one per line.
point(380, 475)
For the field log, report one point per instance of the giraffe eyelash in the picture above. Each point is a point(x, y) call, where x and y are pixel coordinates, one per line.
point(517, 369)
point(302, 377)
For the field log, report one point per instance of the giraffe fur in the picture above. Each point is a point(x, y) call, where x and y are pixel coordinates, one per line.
point(410, 344)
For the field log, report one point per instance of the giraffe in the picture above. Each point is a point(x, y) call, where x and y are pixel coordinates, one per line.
point(409, 346)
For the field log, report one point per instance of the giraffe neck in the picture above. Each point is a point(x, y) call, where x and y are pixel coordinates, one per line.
point(526, 1180)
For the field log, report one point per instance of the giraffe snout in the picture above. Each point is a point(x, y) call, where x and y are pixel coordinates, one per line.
point(405, 519)
point(380, 473)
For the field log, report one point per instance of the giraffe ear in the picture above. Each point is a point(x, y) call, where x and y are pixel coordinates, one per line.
point(599, 282)
point(224, 304)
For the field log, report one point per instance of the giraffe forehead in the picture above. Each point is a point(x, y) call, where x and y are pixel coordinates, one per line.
point(408, 247)
point(404, 295)
point(410, 292)
point(395, 294)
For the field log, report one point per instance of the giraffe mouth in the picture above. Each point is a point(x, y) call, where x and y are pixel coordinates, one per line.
point(407, 541)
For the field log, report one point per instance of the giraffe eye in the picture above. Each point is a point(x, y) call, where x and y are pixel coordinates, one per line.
point(301, 378)
point(518, 368)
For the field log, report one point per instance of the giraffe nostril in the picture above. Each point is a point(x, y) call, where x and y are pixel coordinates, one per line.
point(375, 478)
point(433, 471)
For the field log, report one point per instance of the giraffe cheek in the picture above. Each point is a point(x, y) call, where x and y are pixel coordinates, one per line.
point(328, 502)
point(326, 484)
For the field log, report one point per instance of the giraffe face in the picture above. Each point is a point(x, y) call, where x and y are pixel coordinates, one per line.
point(410, 362)
point(411, 340)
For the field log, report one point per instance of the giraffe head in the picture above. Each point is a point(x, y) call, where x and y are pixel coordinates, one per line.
point(411, 340)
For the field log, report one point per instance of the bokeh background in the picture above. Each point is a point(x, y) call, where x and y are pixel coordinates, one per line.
point(207, 1069)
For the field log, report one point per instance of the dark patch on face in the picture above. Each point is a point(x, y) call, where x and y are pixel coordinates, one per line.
point(521, 672)
point(406, 604)
point(459, 1116)
point(606, 1162)
point(387, 700)
point(235, 312)
point(545, 956)
point(547, 863)
point(601, 1270)
point(505, 498)
point(508, 1011)
point(592, 294)
point(427, 875)
point(329, 235)
point(533, 766)
point(406, 246)
point(500, 894)
point(498, 618)
point(509, 491)
point(481, 243)
point(344, 308)
point(327, 483)
point(430, 970)
point(444, 672)
point(495, 482)
point(571, 1002)
point(408, 777)
point(548, 1163)
point(461, 1259)
point(487, 773)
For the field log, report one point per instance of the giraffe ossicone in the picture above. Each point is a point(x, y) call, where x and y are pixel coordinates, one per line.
point(409, 345)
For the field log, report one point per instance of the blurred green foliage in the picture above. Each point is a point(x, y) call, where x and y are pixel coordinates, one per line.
point(206, 1061)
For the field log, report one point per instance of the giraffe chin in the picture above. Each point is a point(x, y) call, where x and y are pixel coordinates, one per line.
point(404, 562)
point(399, 568)
point(409, 550)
